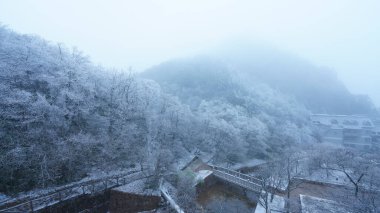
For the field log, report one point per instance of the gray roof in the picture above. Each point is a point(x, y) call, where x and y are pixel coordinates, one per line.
point(343, 121)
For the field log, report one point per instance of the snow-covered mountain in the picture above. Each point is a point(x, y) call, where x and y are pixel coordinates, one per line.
point(62, 117)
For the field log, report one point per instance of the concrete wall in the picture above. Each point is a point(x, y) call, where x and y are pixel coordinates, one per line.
point(123, 202)
point(97, 203)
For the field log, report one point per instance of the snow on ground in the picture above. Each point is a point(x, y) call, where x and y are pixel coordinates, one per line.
point(3, 198)
point(333, 177)
point(183, 161)
point(250, 163)
point(278, 203)
point(137, 187)
point(170, 194)
point(172, 191)
point(98, 174)
point(201, 175)
point(311, 204)
point(94, 175)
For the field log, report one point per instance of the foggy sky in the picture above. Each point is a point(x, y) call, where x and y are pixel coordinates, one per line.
point(341, 34)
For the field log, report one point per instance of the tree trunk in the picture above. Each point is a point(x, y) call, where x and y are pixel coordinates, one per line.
point(356, 190)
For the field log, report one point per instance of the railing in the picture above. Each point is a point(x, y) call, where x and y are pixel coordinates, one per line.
point(237, 178)
point(167, 195)
point(279, 211)
point(74, 190)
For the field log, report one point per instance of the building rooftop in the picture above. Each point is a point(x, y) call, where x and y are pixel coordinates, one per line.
point(311, 204)
point(343, 121)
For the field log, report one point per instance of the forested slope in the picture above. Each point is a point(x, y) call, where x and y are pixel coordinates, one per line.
point(316, 87)
point(258, 119)
point(62, 117)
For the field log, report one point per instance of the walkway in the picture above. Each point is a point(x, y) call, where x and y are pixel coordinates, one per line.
point(240, 179)
point(71, 191)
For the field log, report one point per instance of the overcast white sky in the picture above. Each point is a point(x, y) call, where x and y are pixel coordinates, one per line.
point(341, 34)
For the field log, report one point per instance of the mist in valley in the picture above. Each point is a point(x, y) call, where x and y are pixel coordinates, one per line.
point(187, 96)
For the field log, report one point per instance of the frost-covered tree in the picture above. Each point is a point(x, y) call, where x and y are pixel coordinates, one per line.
point(62, 117)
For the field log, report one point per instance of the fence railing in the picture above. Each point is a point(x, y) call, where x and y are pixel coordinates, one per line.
point(165, 191)
point(243, 180)
point(71, 191)
point(279, 211)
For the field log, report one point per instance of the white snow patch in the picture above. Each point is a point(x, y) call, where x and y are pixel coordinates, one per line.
point(137, 187)
point(3, 198)
point(250, 163)
point(278, 204)
point(170, 192)
point(201, 175)
point(333, 177)
point(311, 204)
point(96, 174)
point(183, 161)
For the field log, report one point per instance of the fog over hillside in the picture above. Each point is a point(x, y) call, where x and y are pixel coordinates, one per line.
point(198, 106)
point(340, 35)
point(317, 88)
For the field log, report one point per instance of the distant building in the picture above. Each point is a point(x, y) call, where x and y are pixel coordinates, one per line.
point(349, 130)
point(376, 131)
